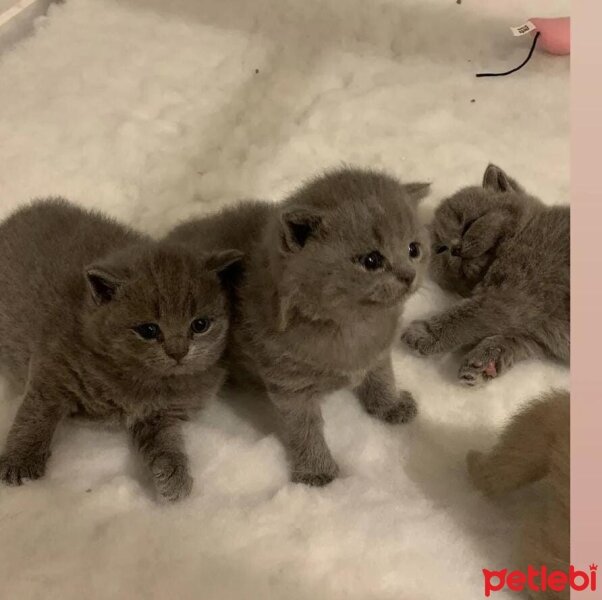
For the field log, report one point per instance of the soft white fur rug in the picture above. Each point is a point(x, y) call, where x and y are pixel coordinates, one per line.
point(154, 111)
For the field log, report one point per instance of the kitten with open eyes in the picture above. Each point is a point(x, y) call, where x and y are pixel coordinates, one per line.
point(317, 307)
point(96, 319)
point(508, 255)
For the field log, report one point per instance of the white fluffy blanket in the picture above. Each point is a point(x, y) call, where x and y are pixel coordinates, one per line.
point(153, 111)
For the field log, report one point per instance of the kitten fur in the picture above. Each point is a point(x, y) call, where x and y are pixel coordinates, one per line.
point(509, 255)
point(309, 319)
point(535, 446)
point(73, 286)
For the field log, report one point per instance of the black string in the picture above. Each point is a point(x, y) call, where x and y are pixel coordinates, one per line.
point(519, 66)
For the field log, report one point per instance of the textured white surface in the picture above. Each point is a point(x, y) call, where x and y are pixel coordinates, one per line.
point(154, 111)
point(17, 19)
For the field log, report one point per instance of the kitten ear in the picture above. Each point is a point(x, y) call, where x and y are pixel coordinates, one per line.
point(417, 191)
point(103, 284)
point(220, 261)
point(298, 225)
point(496, 180)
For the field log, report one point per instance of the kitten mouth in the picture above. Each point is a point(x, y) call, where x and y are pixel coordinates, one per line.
point(178, 369)
point(185, 368)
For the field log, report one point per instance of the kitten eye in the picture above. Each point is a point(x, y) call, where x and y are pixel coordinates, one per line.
point(372, 261)
point(467, 227)
point(148, 331)
point(200, 325)
point(414, 250)
point(441, 249)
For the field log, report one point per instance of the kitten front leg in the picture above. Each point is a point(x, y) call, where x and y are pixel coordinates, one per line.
point(493, 356)
point(465, 323)
point(381, 398)
point(160, 443)
point(28, 444)
point(302, 424)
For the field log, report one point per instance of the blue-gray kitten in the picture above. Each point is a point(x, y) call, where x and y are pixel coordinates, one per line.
point(317, 307)
point(509, 255)
point(98, 320)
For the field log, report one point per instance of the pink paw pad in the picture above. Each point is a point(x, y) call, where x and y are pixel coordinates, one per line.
point(491, 369)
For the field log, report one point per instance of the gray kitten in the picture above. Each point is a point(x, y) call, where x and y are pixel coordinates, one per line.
point(98, 320)
point(534, 446)
point(509, 255)
point(317, 307)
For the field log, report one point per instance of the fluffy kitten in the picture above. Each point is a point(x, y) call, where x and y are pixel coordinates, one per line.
point(535, 446)
point(508, 254)
point(98, 320)
point(317, 308)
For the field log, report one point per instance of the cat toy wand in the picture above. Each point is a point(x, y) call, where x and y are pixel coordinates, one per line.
point(554, 35)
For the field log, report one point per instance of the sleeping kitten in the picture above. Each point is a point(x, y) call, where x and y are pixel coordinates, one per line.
point(96, 319)
point(318, 305)
point(535, 446)
point(508, 254)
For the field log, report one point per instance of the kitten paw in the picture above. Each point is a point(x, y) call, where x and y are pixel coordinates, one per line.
point(317, 478)
point(420, 338)
point(15, 471)
point(313, 479)
point(480, 366)
point(403, 411)
point(171, 476)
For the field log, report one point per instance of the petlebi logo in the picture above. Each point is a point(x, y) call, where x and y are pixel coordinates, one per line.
point(540, 579)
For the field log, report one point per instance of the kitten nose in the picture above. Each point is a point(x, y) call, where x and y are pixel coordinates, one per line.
point(455, 251)
point(176, 348)
point(405, 275)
